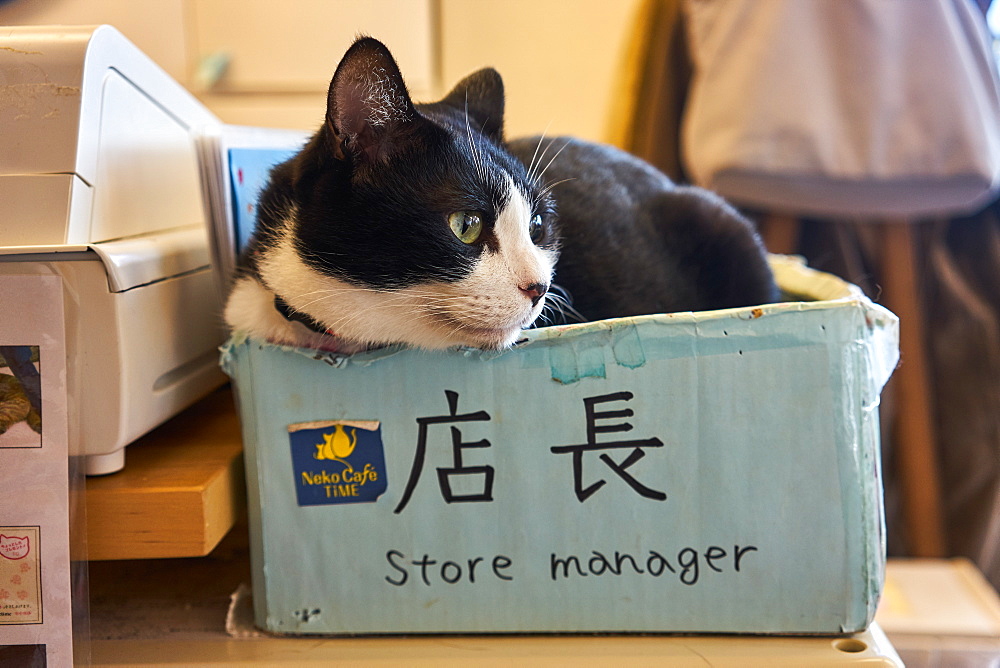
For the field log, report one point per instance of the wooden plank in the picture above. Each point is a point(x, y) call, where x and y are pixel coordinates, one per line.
point(914, 431)
point(780, 233)
point(939, 597)
point(181, 490)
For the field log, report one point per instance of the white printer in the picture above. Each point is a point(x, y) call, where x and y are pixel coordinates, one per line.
point(99, 183)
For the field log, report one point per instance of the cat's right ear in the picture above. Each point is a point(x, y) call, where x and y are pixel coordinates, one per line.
point(480, 95)
point(367, 101)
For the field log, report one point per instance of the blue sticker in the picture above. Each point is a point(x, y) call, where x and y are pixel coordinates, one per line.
point(337, 462)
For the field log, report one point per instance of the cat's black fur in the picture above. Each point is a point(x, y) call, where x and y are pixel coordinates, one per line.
point(361, 217)
point(635, 243)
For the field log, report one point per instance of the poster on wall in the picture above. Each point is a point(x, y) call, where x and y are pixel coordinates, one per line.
point(35, 582)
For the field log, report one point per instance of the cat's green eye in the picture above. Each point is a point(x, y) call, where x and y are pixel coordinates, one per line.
point(536, 229)
point(467, 225)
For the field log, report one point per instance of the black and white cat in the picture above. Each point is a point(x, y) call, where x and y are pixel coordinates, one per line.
point(415, 224)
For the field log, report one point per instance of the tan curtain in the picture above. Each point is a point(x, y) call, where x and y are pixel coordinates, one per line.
point(650, 102)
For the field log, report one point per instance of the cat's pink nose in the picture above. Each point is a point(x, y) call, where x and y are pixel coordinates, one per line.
point(534, 291)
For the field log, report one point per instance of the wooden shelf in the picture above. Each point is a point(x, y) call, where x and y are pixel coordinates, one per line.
point(870, 649)
point(181, 490)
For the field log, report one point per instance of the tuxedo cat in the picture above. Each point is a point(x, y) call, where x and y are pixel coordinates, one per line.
point(414, 224)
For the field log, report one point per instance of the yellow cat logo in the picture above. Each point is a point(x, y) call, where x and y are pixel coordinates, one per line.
point(337, 446)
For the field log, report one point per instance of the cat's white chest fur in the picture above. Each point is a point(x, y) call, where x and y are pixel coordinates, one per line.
point(486, 309)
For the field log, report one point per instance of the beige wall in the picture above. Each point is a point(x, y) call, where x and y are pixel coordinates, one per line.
point(561, 59)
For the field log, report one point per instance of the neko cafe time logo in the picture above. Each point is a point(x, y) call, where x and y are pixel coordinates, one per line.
point(337, 461)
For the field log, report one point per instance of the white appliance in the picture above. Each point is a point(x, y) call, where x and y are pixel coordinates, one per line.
point(99, 183)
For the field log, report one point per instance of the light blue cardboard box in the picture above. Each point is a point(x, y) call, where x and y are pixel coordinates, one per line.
point(696, 472)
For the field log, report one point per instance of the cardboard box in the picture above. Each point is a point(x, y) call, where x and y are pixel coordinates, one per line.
point(693, 472)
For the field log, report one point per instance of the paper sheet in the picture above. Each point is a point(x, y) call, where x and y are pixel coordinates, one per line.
point(35, 582)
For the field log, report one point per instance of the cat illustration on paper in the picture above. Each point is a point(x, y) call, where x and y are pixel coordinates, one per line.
point(417, 224)
point(15, 406)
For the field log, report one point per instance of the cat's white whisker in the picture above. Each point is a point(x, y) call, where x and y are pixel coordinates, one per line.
point(561, 149)
point(533, 173)
point(547, 189)
point(541, 138)
point(477, 158)
point(559, 302)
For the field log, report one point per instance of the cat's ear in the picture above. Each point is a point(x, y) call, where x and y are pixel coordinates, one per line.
point(367, 102)
point(481, 95)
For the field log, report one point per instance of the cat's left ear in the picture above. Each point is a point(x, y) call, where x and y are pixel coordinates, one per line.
point(481, 94)
point(367, 102)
